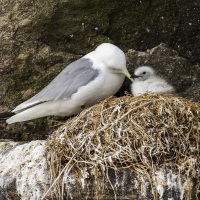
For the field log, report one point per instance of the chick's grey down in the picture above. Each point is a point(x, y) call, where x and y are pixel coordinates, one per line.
point(146, 81)
point(83, 83)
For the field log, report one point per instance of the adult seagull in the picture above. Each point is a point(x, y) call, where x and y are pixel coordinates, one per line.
point(81, 84)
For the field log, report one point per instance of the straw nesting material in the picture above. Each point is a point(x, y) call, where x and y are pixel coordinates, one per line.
point(142, 133)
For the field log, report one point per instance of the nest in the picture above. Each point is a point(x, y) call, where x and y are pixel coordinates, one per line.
point(141, 133)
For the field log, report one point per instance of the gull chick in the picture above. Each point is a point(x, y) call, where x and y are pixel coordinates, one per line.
point(81, 84)
point(146, 81)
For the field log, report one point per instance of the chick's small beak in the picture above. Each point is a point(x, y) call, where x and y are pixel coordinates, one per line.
point(127, 74)
point(135, 76)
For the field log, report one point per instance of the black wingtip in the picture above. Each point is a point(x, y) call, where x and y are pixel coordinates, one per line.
point(6, 115)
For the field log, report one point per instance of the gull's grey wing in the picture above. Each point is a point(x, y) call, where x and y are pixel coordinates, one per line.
point(74, 76)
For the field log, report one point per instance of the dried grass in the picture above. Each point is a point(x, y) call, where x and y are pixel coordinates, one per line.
point(142, 133)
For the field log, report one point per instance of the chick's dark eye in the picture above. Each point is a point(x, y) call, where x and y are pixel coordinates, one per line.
point(144, 73)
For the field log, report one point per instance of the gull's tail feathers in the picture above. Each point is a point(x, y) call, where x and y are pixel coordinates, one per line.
point(38, 111)
point(6, 115)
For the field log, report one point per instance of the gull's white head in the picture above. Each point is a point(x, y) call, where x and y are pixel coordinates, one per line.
point(112, 58)
point(143, 73)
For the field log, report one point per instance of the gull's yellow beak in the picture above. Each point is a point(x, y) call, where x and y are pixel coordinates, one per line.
point(128, 76)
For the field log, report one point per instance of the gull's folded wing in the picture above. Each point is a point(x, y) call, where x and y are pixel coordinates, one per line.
point(74, 76)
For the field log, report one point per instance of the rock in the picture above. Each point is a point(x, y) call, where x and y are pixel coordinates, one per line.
point(23, 170)
point(27, 94)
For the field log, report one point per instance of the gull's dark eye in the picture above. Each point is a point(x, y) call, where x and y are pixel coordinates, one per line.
point(144, 73)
